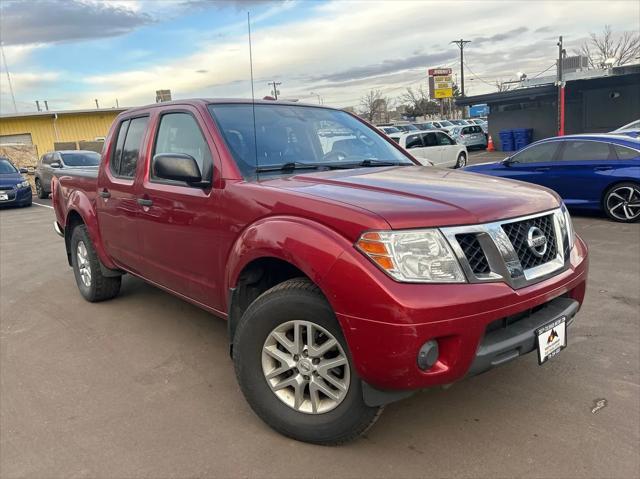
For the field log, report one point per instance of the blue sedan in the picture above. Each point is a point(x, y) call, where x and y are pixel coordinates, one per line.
point(15, 190)
point(590, 172)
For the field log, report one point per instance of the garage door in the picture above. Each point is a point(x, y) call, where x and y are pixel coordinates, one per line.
point(21, 139)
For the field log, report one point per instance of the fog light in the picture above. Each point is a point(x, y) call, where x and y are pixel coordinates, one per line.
point(428, 354)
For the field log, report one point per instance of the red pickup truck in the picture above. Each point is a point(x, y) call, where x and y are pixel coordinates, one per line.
point(349, 276)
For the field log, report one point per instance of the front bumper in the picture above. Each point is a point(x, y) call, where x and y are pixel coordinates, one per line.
point(15, 197)
point(386, 323)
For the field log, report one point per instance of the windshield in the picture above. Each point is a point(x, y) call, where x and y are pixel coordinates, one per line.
point(86, 158)
point(6, 168)
point(446, 123)
point(299, 135)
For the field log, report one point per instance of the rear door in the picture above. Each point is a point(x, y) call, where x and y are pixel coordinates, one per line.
point(432, 148)
point(584, 171)
point(413, 144)
point(178, 222)
point(116, 201)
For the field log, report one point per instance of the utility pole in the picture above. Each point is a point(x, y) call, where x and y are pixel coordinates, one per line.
point(461, 43)
point(275, 88)
point(560, 83)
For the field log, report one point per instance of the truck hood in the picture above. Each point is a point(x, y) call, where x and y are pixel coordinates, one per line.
point(415, 196)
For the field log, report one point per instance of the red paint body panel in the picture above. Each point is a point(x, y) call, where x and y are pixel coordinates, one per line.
point(195, 243)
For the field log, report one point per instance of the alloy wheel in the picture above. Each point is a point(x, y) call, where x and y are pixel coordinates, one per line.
point(306, 367)
point(84, 268)
point(623, 203)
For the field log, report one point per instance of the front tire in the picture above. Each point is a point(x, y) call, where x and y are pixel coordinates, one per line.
point(461, 162)
point(93, 285)
point(43, 195)
point(294, 367)
point(622, 202)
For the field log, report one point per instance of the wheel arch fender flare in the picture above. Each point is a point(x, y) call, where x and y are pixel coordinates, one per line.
point(309, 246)
point(79, 204)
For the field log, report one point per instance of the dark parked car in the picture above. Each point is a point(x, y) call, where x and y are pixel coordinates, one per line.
point(15, 190)
point(54, 160)
point(590, 172)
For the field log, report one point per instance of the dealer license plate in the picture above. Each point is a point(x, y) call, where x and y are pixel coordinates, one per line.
point(552, 338)
point(4, 197)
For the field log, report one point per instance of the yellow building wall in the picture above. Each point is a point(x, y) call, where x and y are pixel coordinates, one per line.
point(68, 127)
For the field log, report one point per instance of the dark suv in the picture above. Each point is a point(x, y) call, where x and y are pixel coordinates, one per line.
point(54, 160)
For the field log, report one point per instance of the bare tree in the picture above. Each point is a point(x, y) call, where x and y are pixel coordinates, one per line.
point(502, 85)
point(418, 103)
point(620, 49)
point(374, 106)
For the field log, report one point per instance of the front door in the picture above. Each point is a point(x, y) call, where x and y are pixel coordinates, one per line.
point(534, 164)
point(448, 149)
point(177, 222)
point(116, 200)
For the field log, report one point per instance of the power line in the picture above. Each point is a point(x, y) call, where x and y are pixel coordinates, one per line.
point(6, 69)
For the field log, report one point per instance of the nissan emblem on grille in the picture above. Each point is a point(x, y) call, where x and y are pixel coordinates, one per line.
point(537, 241)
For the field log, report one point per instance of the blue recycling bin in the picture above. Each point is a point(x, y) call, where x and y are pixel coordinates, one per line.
point(522, 137)
point(507, 140)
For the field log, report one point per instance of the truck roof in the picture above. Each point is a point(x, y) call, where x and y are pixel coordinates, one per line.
point(208, 101)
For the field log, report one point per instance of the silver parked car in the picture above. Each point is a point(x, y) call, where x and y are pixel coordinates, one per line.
point(470, 136)
point(55, 160)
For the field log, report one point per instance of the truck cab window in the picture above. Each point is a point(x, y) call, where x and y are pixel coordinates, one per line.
point(132, 145)
point(179, 133)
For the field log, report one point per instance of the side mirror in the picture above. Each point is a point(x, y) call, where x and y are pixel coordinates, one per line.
point(56, 164)
point(24, 171)
point(507, 161)
point(178, 167)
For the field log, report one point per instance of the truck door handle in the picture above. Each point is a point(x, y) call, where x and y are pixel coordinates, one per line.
point(145, 202)
point(105, 193)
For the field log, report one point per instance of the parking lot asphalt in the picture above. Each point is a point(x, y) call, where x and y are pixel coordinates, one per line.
point(142, 386)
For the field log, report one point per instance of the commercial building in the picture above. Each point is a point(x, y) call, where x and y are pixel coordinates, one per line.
point(596, 101)
point(49, 130)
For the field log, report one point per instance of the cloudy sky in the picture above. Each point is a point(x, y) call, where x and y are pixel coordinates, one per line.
point(70, 52)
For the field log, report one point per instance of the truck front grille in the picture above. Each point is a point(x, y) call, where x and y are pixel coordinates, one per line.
point(474, 253)
point(517, 233)
point(507, 250)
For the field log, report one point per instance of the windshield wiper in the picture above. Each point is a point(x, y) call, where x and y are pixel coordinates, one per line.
point(290, 166)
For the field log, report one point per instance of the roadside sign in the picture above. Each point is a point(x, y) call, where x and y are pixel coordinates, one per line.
point(443, 93)
point(440, 83)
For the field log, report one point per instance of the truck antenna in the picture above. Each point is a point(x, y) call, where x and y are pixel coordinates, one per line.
point(253, 98)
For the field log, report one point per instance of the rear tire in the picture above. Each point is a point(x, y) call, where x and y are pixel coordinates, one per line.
point(461, 162)
point(621, 202)
point(93, 285)
point(43, 195)
point(315, 418)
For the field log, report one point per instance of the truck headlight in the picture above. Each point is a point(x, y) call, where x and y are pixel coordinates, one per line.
point(412, 256)
point(568, 225)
